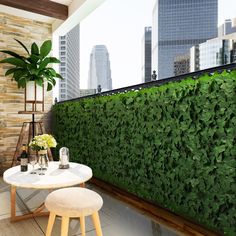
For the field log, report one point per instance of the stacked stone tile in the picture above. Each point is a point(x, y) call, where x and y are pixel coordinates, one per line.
point(12, 98)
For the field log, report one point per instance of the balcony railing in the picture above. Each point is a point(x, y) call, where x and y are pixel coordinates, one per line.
point(193, 75)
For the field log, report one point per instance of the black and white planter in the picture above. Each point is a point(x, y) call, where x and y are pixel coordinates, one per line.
point(34, 94)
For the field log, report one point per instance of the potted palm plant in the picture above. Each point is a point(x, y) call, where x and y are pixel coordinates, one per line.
point(33, 71)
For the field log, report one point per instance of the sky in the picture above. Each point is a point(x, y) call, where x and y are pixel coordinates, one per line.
point(119, 24)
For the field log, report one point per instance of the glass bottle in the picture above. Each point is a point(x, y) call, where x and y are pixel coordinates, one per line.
point(23, 159)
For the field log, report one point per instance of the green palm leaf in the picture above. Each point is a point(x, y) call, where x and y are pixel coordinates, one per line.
point(45, 48)
point(22, 45)
point(49, 86)
point(14, 61)
point(12, 54)
point(34, 67)
point(34, 49)
point(59, 76)
point(48, 60)
point(12, 70)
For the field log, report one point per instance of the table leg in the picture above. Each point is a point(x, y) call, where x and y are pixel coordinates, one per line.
point(82, 185)
point(37, 212)
point(13, 202)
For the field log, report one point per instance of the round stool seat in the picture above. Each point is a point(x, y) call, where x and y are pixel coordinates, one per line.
point(73, 202)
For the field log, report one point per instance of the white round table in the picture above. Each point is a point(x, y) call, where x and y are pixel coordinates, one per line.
point(53, 178)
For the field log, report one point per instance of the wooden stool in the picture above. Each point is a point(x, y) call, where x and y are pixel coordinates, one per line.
point(73, 202)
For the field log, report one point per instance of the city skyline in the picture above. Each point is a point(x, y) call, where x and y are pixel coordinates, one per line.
point(123, 36)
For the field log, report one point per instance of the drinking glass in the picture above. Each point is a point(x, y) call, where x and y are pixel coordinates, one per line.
point(33, 161)
point(42, 163)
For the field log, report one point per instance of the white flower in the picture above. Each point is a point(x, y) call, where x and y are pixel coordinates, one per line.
point(42, 142)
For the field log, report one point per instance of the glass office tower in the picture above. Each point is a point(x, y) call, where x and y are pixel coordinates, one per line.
point(69, 54)
point(147, 55)
point(177, 26)
point(228, 27)
point(99, 70)
point(214, 52)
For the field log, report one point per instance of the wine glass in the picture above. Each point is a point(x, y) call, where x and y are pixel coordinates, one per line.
point(33, 161)
point(42, 163)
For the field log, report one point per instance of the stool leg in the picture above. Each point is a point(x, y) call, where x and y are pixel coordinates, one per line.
point(82, 225)
point(51, 220)
point(64, 225)
point(96, 223)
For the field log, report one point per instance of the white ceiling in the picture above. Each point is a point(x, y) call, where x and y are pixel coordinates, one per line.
point(26, 14)
point(78, 9)
point(64, 2)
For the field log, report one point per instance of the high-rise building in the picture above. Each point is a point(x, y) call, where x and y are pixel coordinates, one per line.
point(100, 71)
point(213, 52)
point(86, 92)
point(69, 54)
point(177, 26)
point(147, 55)
point(182, 64)
point(228, 27)
point(194, 58)
point(233, 53)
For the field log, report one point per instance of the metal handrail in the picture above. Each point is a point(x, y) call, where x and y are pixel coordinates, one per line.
point(193, 75)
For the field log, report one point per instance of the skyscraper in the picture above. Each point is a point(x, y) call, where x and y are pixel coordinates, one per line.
point(100, 72)
point(147, 55)
point(228, 27)
point(177, 26)
point(182, 64)
point(194, 58)
point(233, 53)
point(213, 52)
point(69, 54)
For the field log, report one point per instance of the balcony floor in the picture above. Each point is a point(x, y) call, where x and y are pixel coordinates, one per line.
point(117, 218)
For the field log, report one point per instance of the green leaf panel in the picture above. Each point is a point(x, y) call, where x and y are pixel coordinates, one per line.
point(174, 145)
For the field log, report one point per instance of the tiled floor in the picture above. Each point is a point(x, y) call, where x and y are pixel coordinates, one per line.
point(117, 218)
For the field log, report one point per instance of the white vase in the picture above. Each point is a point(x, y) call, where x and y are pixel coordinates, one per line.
point(30, 92)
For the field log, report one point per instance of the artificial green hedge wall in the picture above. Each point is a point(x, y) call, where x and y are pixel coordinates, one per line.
point(173, 145)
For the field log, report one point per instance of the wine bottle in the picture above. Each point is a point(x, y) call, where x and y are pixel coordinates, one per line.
point(23, 159)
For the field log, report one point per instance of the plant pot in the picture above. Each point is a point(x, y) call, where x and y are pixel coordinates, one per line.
point(34, 92)
point(34, 95)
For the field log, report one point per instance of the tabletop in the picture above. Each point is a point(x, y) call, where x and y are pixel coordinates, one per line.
point(53, 178)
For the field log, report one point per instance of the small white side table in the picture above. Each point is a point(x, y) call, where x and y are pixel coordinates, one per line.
point(53, 178)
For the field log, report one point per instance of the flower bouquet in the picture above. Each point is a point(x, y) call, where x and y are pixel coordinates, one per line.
point(40, 144)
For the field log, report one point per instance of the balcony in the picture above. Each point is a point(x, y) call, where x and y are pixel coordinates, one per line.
point(116, 217)
point(114, 171)
point(162, 153)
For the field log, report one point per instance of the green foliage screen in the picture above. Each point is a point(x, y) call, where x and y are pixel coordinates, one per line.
point(174, 145)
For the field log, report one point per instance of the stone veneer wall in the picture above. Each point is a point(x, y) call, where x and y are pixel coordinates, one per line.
point(12, 98)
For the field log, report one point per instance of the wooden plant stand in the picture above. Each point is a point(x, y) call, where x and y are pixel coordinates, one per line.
point(28, 131)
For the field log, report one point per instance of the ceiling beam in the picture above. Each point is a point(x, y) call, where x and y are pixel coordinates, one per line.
point(43, 7)
point(78, 10)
